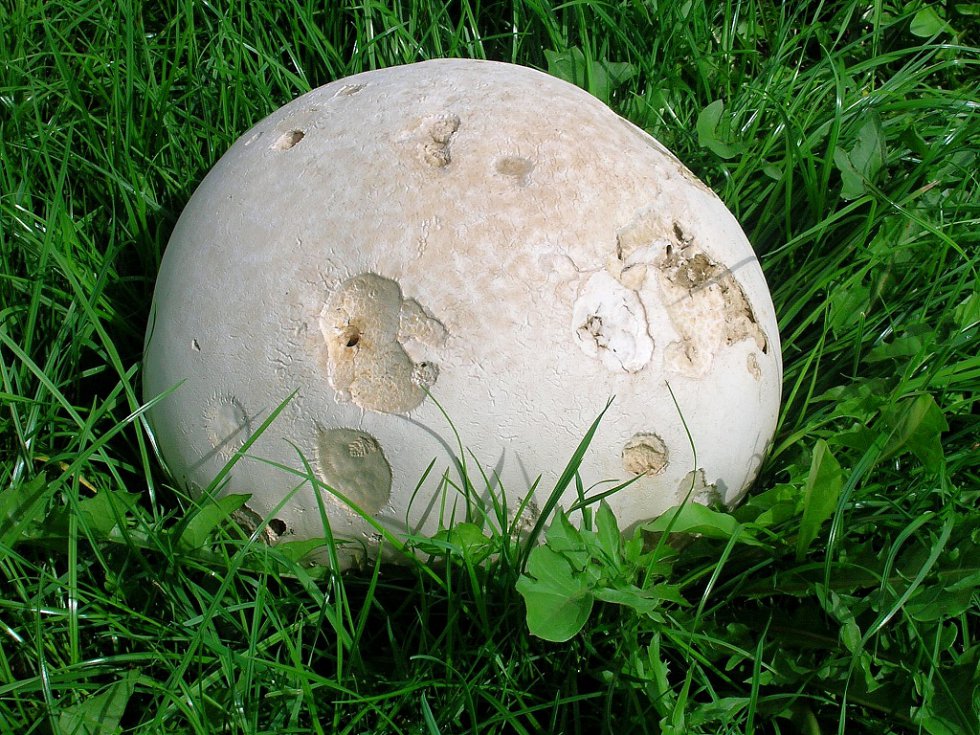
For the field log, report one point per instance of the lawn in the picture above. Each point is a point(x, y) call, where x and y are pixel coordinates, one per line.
point(840, 597)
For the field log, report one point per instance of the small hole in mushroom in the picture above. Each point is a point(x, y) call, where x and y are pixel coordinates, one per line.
point(288, 139)
point(195, 345)
point(277, 526)
point(353, 339)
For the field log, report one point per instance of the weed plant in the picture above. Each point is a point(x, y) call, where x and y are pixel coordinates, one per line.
point(841, 597)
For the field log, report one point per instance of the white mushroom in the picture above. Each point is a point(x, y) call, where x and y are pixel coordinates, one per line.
point(487, 233)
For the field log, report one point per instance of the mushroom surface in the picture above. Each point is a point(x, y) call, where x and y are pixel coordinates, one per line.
point(480, 232)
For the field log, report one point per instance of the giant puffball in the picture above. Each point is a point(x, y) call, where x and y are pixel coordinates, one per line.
point(463, 241)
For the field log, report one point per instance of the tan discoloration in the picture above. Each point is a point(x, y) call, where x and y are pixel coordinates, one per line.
point(415, 324)
point(250, 521)
point(706, 304)
point(287, 140)
point(227, 423)
point(700, 292)
point(439, 134)
point(349, 90)
point(366, 326)
point(645, 454)
point(523, 524)
point(517, 168)
point(352, 463)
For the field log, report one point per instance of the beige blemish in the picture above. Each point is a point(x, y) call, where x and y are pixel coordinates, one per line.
point(366, 326)
point(705, 303)
point(645, 454)
point(227, 424)
point(352, 463)
point(288, 139)
point(701, 292)
point(516, 168)
point(438, 136)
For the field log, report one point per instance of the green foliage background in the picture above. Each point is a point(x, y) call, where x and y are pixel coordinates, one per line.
point(840, 597)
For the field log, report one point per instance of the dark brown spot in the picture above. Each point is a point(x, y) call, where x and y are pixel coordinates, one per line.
point(277, 526)
point(679, 232)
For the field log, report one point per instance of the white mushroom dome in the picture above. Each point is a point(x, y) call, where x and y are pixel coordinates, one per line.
point(470, 237)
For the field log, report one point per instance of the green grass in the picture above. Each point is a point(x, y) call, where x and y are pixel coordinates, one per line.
point(841, 597)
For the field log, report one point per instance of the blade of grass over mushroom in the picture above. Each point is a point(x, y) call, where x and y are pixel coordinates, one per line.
point(309, 476)
point(241, 451)
point(561, 485)
point(467, 489)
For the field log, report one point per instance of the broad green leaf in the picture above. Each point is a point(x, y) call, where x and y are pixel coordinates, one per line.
point(823, 486)
point(599, 77)
point(938, 603)
point(558, 600)
point(710, 130)
point(99, 714)
point(297, 550)
point(467, 539)
point(868, 153)
point(967, 312)
point(858, 437)
point(471, 540)
point(770, 506)
point(862, 163)
point(916, 424)
point(850, 634)
point(909, 344)
point(778, 513)
point(103, 512)
point(694, 518)
point(852, 184)
point(927, 23)
point(773, 172)
point(720, 710)
point(20, 508)
point(564, 538)
point(643, 602)
point(848, 305)
point(211, 513)
point(951, 706)
point(860, 399)
point(607, 533)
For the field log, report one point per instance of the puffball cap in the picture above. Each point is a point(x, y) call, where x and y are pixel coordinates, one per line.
point(480, 232)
